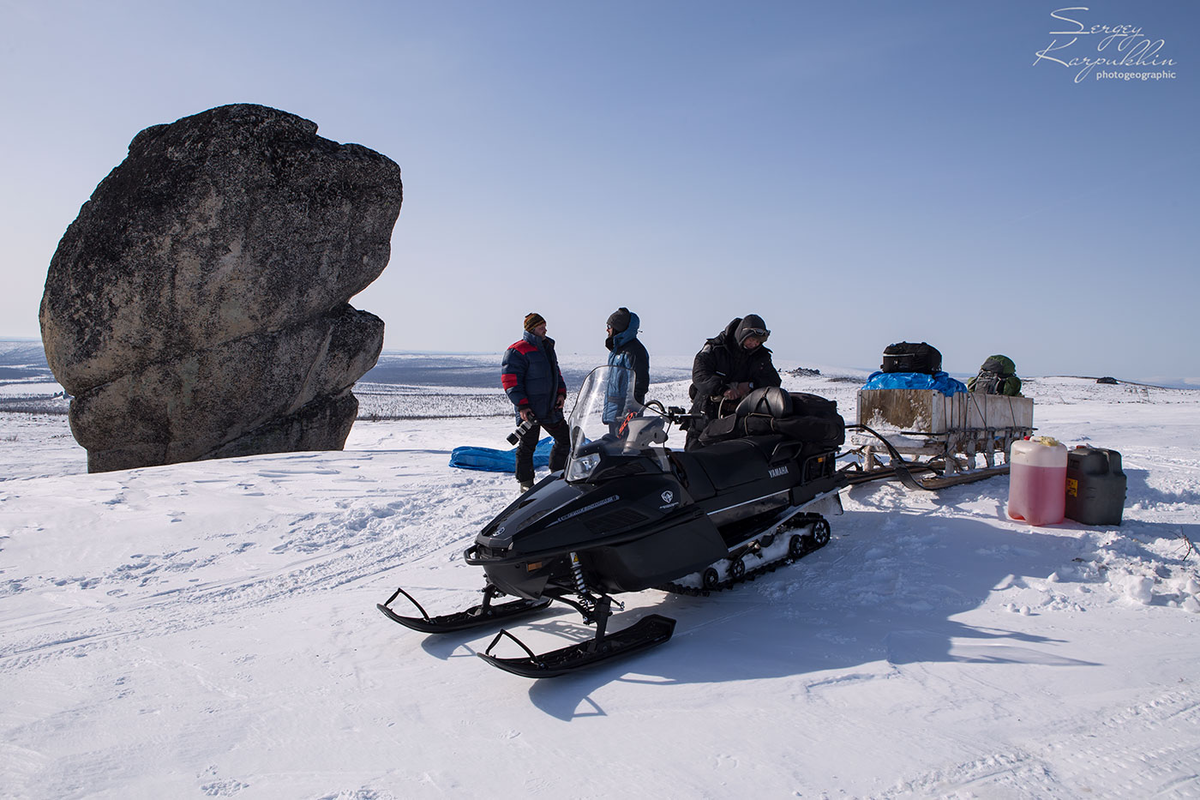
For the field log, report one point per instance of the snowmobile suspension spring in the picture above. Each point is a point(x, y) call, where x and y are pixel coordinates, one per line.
point(577, 572)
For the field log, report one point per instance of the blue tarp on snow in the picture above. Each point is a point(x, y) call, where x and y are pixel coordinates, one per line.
point(485, 458)
point(915, 380)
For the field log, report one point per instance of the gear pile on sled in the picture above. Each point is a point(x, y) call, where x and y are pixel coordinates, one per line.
point(952, 435)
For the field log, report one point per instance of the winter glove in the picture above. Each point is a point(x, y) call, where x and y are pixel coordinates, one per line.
point(737, 391)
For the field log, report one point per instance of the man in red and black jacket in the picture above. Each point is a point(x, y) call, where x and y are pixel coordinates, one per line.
point(533, 382)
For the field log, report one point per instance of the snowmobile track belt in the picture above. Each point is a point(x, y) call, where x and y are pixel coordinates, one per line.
point(748, 575)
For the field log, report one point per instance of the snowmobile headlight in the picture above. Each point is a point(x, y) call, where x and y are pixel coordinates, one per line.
point(582, 467)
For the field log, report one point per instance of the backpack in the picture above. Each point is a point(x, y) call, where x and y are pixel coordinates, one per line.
point(996, 376)
point(908, 357)
point(986, 382)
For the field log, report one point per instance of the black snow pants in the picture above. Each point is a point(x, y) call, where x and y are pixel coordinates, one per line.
point(528, 443)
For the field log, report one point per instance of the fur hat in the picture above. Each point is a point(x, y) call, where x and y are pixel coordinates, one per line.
point(532, 320)
point(619, 320)
point(752, 325)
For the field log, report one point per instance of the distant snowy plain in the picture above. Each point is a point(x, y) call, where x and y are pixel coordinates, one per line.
point(209, 629)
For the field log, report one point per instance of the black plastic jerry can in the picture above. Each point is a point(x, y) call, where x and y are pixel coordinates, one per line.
point(1095, 486)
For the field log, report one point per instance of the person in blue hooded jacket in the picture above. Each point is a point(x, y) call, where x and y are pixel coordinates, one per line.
point(625, 350)
point(533, 382)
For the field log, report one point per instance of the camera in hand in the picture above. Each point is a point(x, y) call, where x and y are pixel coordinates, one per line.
point(522, 429)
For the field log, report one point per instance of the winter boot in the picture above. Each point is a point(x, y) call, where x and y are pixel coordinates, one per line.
point(526, 486)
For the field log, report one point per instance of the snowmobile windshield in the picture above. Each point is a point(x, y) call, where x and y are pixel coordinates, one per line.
point(607, 420)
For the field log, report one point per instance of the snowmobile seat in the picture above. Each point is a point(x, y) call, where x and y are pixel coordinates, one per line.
point(770, 401)
point(770, 445)
point(809, 421)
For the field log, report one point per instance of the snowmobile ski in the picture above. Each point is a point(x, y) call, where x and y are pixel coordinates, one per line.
point(649, 631)
point(476, 616)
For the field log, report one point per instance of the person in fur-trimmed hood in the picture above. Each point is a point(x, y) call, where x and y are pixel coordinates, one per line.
point(626, 350)
point(727, 368)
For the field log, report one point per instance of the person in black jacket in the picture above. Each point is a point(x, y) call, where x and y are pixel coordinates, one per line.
point(533, 382)
point(727, 368)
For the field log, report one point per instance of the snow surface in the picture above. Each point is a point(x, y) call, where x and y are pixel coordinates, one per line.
point(209, 630)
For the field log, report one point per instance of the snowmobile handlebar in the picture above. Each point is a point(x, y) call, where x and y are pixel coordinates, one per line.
point(676, 413)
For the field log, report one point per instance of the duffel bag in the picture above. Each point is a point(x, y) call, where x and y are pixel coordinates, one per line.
point(909, 357)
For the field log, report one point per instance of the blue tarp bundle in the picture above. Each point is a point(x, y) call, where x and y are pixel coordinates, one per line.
point(485, 458)
point(915, 380)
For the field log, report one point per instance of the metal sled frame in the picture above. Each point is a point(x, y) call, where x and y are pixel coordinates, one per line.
point(949, 437)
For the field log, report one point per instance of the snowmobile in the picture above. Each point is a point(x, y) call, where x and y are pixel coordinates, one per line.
point(629, 514)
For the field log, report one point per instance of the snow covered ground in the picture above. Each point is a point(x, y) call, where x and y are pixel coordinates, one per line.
point(210, 629)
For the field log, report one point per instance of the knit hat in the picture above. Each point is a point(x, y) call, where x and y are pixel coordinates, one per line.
point(752, 325)
point(619, 320)
point(533, 319)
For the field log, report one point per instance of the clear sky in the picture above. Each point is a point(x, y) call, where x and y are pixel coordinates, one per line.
point(858, 173)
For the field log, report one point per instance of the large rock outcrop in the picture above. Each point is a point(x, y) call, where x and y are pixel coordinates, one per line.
point(198, 306)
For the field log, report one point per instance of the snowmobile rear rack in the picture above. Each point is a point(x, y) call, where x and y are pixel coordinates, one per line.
point(483, 614)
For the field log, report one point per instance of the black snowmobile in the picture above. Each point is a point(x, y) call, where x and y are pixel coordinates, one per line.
point(629, 514)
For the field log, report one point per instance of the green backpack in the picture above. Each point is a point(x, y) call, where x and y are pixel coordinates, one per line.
point(996, 376)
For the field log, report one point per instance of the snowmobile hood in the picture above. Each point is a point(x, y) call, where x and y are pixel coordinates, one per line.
point(529, 508)
point(570, 516)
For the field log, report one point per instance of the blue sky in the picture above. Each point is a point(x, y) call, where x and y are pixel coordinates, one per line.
point(858, 173)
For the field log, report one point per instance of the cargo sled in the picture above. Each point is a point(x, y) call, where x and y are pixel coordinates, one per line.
point(948, 438)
